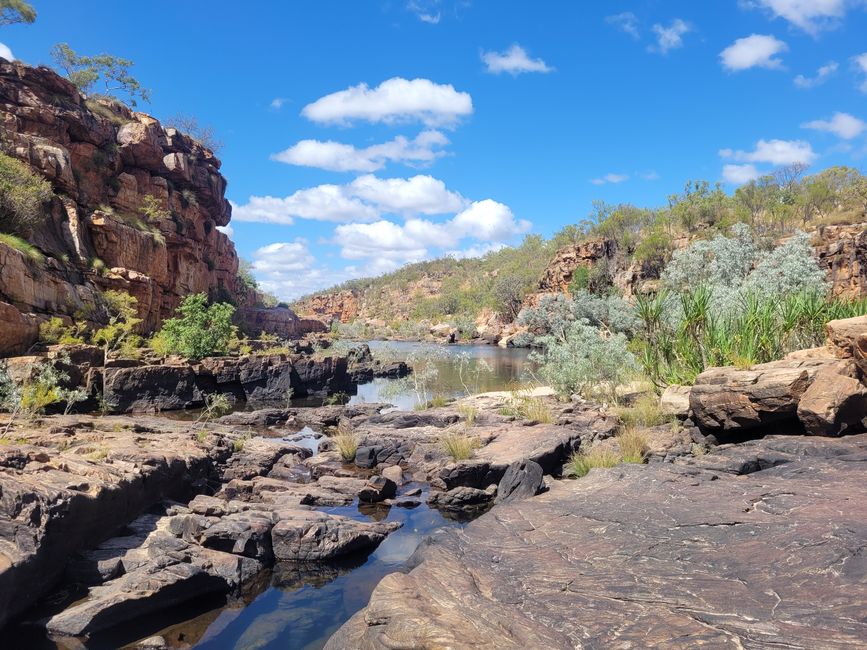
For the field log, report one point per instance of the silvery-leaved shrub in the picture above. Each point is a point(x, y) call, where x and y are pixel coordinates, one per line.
point(554, 314)
point(586, 361)
point(787, 270)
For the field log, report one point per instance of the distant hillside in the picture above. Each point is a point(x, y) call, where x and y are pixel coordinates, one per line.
point(620, 248)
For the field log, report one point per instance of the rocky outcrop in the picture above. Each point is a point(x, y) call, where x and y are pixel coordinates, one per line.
point(734, 400)
point(842, 252)
point(136, 208)
point(341, 306)
point(67, 488)
point(280, 321)
point(625, 558)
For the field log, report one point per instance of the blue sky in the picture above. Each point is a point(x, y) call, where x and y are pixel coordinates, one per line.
point(359, 136)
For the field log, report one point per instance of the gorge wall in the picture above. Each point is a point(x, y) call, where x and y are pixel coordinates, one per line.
point(103, 231)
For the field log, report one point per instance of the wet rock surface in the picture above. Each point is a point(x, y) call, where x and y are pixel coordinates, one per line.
point(222, 504)
point(756, 545)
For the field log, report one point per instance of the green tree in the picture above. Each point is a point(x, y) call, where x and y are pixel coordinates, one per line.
point(119, 335)
point(16, 11)
point(86, 71)
point(200, 330)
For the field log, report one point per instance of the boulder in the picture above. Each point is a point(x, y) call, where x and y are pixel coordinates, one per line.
point(523, 479)
point(843, 334)
point(150, 388)
point(675, 401)
point(393, 473)
point(833, 404)
point(315, 536)
point(377, 488)
point(731, 398)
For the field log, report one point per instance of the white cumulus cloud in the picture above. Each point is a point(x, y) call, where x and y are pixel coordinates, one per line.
point(821, 77)
point(484, 221)
point(394, 100)
point(336, 156)
point(610, 178)
point(754, 51)
point(320, 203)
point(226, 230)
point(842, 125)
point(419, 194)
point(515, 61)
point(774, 152)
point(365, 199)
point(671, 37)
point(488, 220)
point(740, 174)
point(626, 22)
point(6, 53)
point(811, 16)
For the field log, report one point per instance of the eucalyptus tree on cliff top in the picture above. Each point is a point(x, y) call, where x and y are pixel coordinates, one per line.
point(86, 71)
point(16, 11)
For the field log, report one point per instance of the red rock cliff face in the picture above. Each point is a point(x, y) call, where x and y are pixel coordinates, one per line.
point(104, 161)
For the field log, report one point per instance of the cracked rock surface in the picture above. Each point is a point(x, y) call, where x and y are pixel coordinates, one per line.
point(759, 545)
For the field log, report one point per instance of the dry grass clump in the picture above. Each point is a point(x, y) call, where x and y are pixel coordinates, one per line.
point(580, 463)
point(645, 412)
point(633, 445)
point(346, 441)
point(459, 446)
point(528, 408)
point(469, 414)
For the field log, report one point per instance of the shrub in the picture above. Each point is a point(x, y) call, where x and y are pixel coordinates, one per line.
point(579, 464)
point(153, 209)
point(30, 251)
point(119, 334)
point(199, 330)
point(23, 195)
point(459, 446)
point(633, 445)
point(216, 404)
point(586, 362)
point(203, 134)
point(54, 330)
point(554, 314)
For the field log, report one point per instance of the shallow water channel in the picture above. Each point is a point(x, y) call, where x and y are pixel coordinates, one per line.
point(300, 606)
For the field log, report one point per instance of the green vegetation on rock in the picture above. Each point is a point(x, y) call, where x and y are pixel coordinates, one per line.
point(23, 197)
point(200, 330)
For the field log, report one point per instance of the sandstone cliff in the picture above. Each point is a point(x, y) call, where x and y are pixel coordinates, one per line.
point(136, 208)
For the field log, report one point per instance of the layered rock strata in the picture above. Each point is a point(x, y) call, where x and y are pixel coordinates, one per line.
point(136, 208)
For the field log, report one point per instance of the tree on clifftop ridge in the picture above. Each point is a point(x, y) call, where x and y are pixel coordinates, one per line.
point(86, 71)
point(16, 11)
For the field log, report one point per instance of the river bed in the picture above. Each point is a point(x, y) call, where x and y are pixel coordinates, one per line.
point(299, 607)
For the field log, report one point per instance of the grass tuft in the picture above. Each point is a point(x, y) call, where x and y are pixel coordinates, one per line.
point(459, 446)
point(645, 412)
point(346, 441)
point(580, 463)
point(29, 250)
point(469, 414)
point(633, 445)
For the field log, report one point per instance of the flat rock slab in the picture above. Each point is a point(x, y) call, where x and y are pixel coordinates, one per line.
point(700, 553)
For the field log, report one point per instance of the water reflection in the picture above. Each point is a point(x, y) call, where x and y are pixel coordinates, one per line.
point(306, 604)
point(499, 369)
